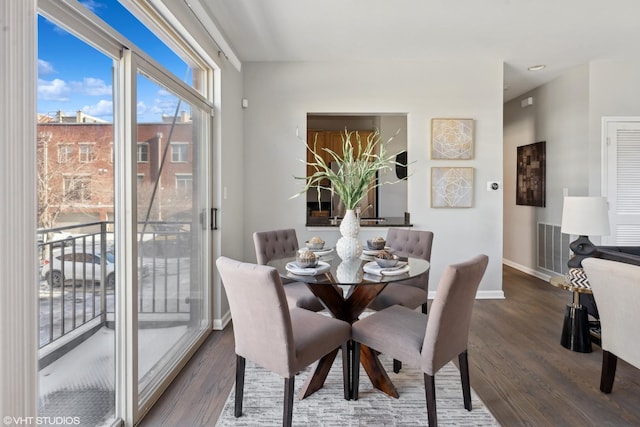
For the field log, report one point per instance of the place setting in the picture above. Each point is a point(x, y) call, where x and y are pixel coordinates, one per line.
point(309, 259)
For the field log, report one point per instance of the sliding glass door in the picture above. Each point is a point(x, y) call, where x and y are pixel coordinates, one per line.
point(125, 143)
point(171, 196)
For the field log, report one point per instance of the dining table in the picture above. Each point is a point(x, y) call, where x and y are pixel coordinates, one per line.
point(346, 288)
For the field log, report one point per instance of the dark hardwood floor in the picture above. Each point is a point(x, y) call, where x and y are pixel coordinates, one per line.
point(517, 367)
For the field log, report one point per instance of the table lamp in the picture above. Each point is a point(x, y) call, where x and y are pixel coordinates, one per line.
point(584, 216)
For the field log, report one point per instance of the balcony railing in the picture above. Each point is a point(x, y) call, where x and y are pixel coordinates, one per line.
point(78, 284)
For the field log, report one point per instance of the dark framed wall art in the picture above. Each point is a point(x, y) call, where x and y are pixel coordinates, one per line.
point(530, 188)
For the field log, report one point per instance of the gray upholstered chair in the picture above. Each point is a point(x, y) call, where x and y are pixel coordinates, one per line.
point(616, 290)
point(280, 244)
point(267, 332)
point(427, 343)
point(414, 292)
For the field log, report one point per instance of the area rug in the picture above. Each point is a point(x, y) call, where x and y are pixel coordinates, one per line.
point(264, 394)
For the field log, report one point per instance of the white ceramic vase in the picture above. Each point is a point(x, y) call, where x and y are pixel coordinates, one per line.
point(348, 246)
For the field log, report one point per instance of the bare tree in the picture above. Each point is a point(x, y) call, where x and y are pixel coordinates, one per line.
point(72, 177)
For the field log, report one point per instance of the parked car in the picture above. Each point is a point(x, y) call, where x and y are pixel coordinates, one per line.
point(82, 265)
point(57, 239)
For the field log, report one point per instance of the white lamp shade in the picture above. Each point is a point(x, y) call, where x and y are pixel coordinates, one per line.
point(585, 216)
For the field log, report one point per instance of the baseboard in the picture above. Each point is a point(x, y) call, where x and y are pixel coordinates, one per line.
point(480, 295)
point(220, 324)
point(526, 270)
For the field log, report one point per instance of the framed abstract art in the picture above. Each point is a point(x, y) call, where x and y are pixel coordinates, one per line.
point(451, 139)
point(531, 171)
point(451, 187)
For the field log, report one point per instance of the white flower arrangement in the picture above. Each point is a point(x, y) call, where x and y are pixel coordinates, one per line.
point(356, 167)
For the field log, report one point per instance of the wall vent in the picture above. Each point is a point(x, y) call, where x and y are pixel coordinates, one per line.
point(553, 248)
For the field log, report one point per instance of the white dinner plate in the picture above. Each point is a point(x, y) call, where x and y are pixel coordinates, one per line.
point(322, 267)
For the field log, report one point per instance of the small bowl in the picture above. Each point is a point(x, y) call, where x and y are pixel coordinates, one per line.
point(387, 263)
point(305, 261)
point(314, 246)
point(378, 245)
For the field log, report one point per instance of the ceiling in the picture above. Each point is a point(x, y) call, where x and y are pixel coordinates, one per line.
point(558, 33)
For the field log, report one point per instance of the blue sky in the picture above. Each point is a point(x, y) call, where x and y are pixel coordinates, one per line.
point(74, 76)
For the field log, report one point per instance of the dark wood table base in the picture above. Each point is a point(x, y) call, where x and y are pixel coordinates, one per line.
point(348, 308)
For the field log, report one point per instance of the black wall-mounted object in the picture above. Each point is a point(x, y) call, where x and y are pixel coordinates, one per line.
point(401, 165)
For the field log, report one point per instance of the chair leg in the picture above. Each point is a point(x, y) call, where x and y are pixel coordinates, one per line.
point(240, 364)
point(424, 308)
point(430, 391)
point(609, 364)
point(346, 370)
point(288, 401)
point(355, 370)
point(463, 360)
point(397, 365)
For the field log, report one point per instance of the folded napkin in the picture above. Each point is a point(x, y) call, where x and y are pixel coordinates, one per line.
point(373, 268)
point(292, 267)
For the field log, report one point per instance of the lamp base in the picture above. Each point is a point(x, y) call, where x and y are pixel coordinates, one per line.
point(582, 248)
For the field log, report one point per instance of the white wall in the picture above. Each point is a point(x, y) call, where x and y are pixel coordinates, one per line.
point(392, 199)
point(559, 116)
point(280, 96)
point(228, 180)
point(567, 113)
point(614, 90)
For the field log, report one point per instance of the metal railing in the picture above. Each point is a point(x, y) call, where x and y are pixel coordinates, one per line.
point(78, 283)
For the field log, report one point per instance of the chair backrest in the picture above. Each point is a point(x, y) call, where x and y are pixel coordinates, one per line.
point(275, 244)
point(616, 289)
point(449, 320)
point(261, 320)
point(415, 243)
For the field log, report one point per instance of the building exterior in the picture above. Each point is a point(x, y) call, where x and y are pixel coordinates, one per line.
point(75, 170)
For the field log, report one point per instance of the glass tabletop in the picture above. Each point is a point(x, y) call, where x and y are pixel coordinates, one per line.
point(333, 270)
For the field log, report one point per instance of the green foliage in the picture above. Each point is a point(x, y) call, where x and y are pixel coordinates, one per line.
point(356, 168)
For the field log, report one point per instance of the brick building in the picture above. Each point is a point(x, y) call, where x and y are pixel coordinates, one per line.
point(76, 167)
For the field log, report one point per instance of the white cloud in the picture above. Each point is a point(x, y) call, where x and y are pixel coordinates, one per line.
point(92, 5)
point(102, 108)
point(164, 106)
point(92, 86)
point(45, 67)
point(53, 90)
point(141, 108)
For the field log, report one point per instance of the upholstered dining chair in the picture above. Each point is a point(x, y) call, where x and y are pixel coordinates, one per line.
point(267, 332)
point(411, 293)
point(428, 342)
point(616, 290)
point(283, 243)
point(414, 292)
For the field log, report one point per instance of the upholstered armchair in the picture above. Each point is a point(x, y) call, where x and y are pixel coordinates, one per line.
point(276, 244)
point(426, 342)
point(267, 332)
point(616, 290)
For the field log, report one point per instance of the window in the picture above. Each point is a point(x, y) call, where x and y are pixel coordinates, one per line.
point(184, 182)
point(77, 188)
point(173, 305)
point(178, 152)
point(86, 153)
point(143, 152)
point(65, 151)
